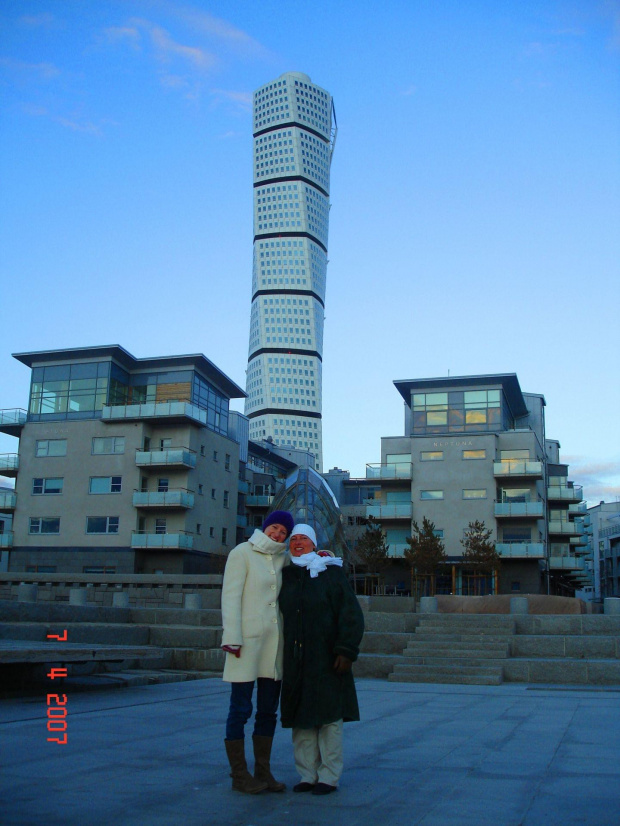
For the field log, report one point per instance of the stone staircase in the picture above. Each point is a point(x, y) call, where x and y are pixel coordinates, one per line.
point(457, 648)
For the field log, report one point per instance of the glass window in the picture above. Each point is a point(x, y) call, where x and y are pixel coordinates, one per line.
point(108, 445)
point(226, 497)
point(51, 447)
point(161, 525)
point(224, 536)
point(105, 484)
point(436, 418)
point(102, 524)
point(398, 458)
point(163, 485)
point(431, 455)
point(474, 454)
point(44, 525)
point(474, 493)
point(475, 417)
point(51, 486)
point(431, 494)
point(227, 462)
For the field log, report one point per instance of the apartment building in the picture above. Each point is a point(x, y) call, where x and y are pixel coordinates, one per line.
point(123, 465)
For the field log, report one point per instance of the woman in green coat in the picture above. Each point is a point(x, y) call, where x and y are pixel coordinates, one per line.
point(323, 626)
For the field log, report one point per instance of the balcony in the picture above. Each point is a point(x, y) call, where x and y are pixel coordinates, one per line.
point(565, 493)
point(9, 464)
point(6, 540)
point(243, 486)
point(254, 501)
point(397, 549)
point(180, 457)
point(7, 501)
point(514, 468)
point(566, 563)
point(562, 527)
point(173, 498)
point(171, 411)
point(181, 541)
point(242, 520)
point(403, 510)
point(523, 510)
point(400, 470)
point(12, 421)
point(520, 550)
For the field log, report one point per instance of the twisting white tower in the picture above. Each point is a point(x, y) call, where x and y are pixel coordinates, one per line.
point(294, 138)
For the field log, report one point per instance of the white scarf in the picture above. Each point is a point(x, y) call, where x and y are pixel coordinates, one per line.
point(315, 563)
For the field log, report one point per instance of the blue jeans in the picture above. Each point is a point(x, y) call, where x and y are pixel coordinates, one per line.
point(267, 699)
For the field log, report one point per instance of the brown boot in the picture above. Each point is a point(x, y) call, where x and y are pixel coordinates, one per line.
point(242, 780)
point(262, 770)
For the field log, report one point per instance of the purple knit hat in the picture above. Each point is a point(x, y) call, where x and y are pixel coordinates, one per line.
point(283, 518)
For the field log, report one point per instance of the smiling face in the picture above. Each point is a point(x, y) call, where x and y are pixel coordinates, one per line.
point(300, 544)
point(276, 532)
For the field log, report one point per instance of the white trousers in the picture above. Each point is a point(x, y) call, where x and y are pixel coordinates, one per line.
point(318, 753)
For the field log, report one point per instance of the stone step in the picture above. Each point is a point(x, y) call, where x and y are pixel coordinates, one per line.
point(566, 646)
point(562, 671)
point(376, 666)
point(388, 622)
point(461, 675)
point(464, 653)
point(185, 636)
point(380, 642)
point(177, 616)
point(457, 662)
point(482, 639)
point(478, 630)
point(487, 620)
point(87, 632)
point(194, 659)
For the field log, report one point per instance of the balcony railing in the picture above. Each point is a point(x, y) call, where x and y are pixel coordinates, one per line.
point(12, 421)
point(399, 470)
point(520, 550)
point(7, 501)
point(397, 549)
point(172, 498)
point(242, 520)
point(255, 501)
point(563, 527)
point(529, 510)
point(518, 467)
point(166, 457)
point(154, 410)
point(6, 539)
point(402, 510)
point(180, 541)
point(565, 493)
point(566, 563)
point(9, 464)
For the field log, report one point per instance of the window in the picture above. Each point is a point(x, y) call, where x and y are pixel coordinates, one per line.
point(40, 569)
point(474, 454)
point(431, 494)
point(165, 443)
point(49, 486)
point(215, 455)
point(102, 524)
point(107, 445)
point(198, 528)
point(212, 493)
point(160, 526)
point(105, 484)
point(202, 450)
point(212, 532)
point(398, 458)
point(99, 569)
point(163, 485)
point(227, 462)
point(226, 498)
point(431, 455)
point(51, 447)
point(200, 489)
point(224, 536)
point(474, 493)
point(44, 525)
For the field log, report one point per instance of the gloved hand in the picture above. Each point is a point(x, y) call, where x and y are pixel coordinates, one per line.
point(235, 650)
point(342, 664)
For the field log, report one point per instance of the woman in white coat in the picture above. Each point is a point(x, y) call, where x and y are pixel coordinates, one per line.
point(252, 640)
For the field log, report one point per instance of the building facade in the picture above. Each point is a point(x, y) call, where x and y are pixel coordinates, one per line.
point(603, 528)
point(124, 465)
point(294, 136)
point(475, 449)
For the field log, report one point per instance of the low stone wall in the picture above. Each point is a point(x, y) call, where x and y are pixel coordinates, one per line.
point(140, 590)
point(500, 604)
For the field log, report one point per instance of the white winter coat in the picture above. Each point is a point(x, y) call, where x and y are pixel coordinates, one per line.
point(250, 614)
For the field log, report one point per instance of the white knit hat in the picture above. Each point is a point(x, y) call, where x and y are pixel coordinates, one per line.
point(305, 530)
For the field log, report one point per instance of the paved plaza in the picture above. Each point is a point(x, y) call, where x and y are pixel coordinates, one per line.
point(508, 755)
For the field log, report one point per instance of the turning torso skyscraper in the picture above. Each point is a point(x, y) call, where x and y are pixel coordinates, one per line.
point(294, 137)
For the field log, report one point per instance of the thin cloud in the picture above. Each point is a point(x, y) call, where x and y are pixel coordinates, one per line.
point(75, 123)
point(30, 71)
point(168, 48)
point(123, 34)
point(243, 100)
point(45, 19)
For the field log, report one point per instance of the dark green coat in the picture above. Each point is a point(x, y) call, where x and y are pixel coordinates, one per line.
point(322, 618)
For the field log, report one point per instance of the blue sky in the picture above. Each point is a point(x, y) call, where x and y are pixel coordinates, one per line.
point(475, 196)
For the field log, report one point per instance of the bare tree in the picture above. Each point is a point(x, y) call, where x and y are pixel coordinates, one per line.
point(426, 553)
